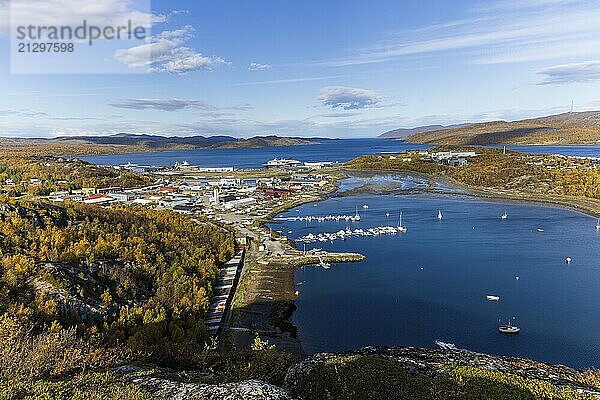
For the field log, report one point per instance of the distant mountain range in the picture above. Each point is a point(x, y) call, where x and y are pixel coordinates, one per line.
point(267, 141)
point(155, 142)
point(559, 129)
point(404, 132)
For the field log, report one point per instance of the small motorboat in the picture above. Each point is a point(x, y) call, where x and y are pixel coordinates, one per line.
point(504, 216)
point(365, 206)
point(509, 329)
point(440, 216)
point(540, 230)
point(491, 297)
point(598, 225)
point(568, 260)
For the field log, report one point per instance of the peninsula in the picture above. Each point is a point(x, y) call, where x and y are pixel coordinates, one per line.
point(559, 129)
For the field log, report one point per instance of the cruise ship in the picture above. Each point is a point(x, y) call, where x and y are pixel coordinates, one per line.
point(282, 163)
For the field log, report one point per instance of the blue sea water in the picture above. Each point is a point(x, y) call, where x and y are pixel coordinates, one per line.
point(340, 150)
point(431, 283)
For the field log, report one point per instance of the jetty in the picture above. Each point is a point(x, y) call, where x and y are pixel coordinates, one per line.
point(315, 218)
point(348, 233)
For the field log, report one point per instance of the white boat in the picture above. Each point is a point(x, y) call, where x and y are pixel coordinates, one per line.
point(504, 216)
point(491, 297)
point(365, 206)
point(540, 230)
point(440, 215)
point(401, 228)
point(356, 215)
point(509, 329)
point(598, 224)
point(282, 163)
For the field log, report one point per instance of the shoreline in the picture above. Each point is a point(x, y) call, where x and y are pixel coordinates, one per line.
point(265, 298)
point(585, 205)
point(275, 277)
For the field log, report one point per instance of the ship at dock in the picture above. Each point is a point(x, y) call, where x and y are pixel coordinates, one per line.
point(282, 163)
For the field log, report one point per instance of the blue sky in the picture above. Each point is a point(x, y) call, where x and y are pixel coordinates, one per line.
point(319, 68)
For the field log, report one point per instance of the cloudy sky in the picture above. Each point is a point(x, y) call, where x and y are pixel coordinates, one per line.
point(313, 68)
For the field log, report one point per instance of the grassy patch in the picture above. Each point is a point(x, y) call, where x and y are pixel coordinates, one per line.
point(85, 386)
point(371, 377)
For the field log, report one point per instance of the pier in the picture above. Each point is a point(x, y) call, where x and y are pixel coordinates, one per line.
point(311, 218)
point(348, 233)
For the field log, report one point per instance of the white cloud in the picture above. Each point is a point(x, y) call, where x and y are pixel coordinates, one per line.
point(588, 71)
point(166, 52)
point(258, 67)
point(162, 104)
point(348, 98)
point(72, 13)
point(496, 32)
point(290, 80)
point(22, 113)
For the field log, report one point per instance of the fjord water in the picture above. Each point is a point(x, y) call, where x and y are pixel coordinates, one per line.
point(431, 283)
point(340, 150)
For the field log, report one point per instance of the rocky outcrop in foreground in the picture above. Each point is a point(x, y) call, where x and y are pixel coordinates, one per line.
point(393, 373)
point(247, 390)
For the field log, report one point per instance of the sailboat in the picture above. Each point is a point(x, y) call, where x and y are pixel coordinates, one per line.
point(509, 329)
point(504, 216)
point(401, 228)
point(356, 215)
point(440, 215)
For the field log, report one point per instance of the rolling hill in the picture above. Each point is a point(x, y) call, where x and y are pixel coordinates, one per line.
point(404, 132)
point(265, 141)
point(139, 143)
point(559, 129)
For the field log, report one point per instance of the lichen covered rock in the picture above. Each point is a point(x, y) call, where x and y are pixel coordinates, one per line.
point(247, 390)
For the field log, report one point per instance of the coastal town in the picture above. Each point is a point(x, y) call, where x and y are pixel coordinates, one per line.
point(245, 200)
point(242, 200)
